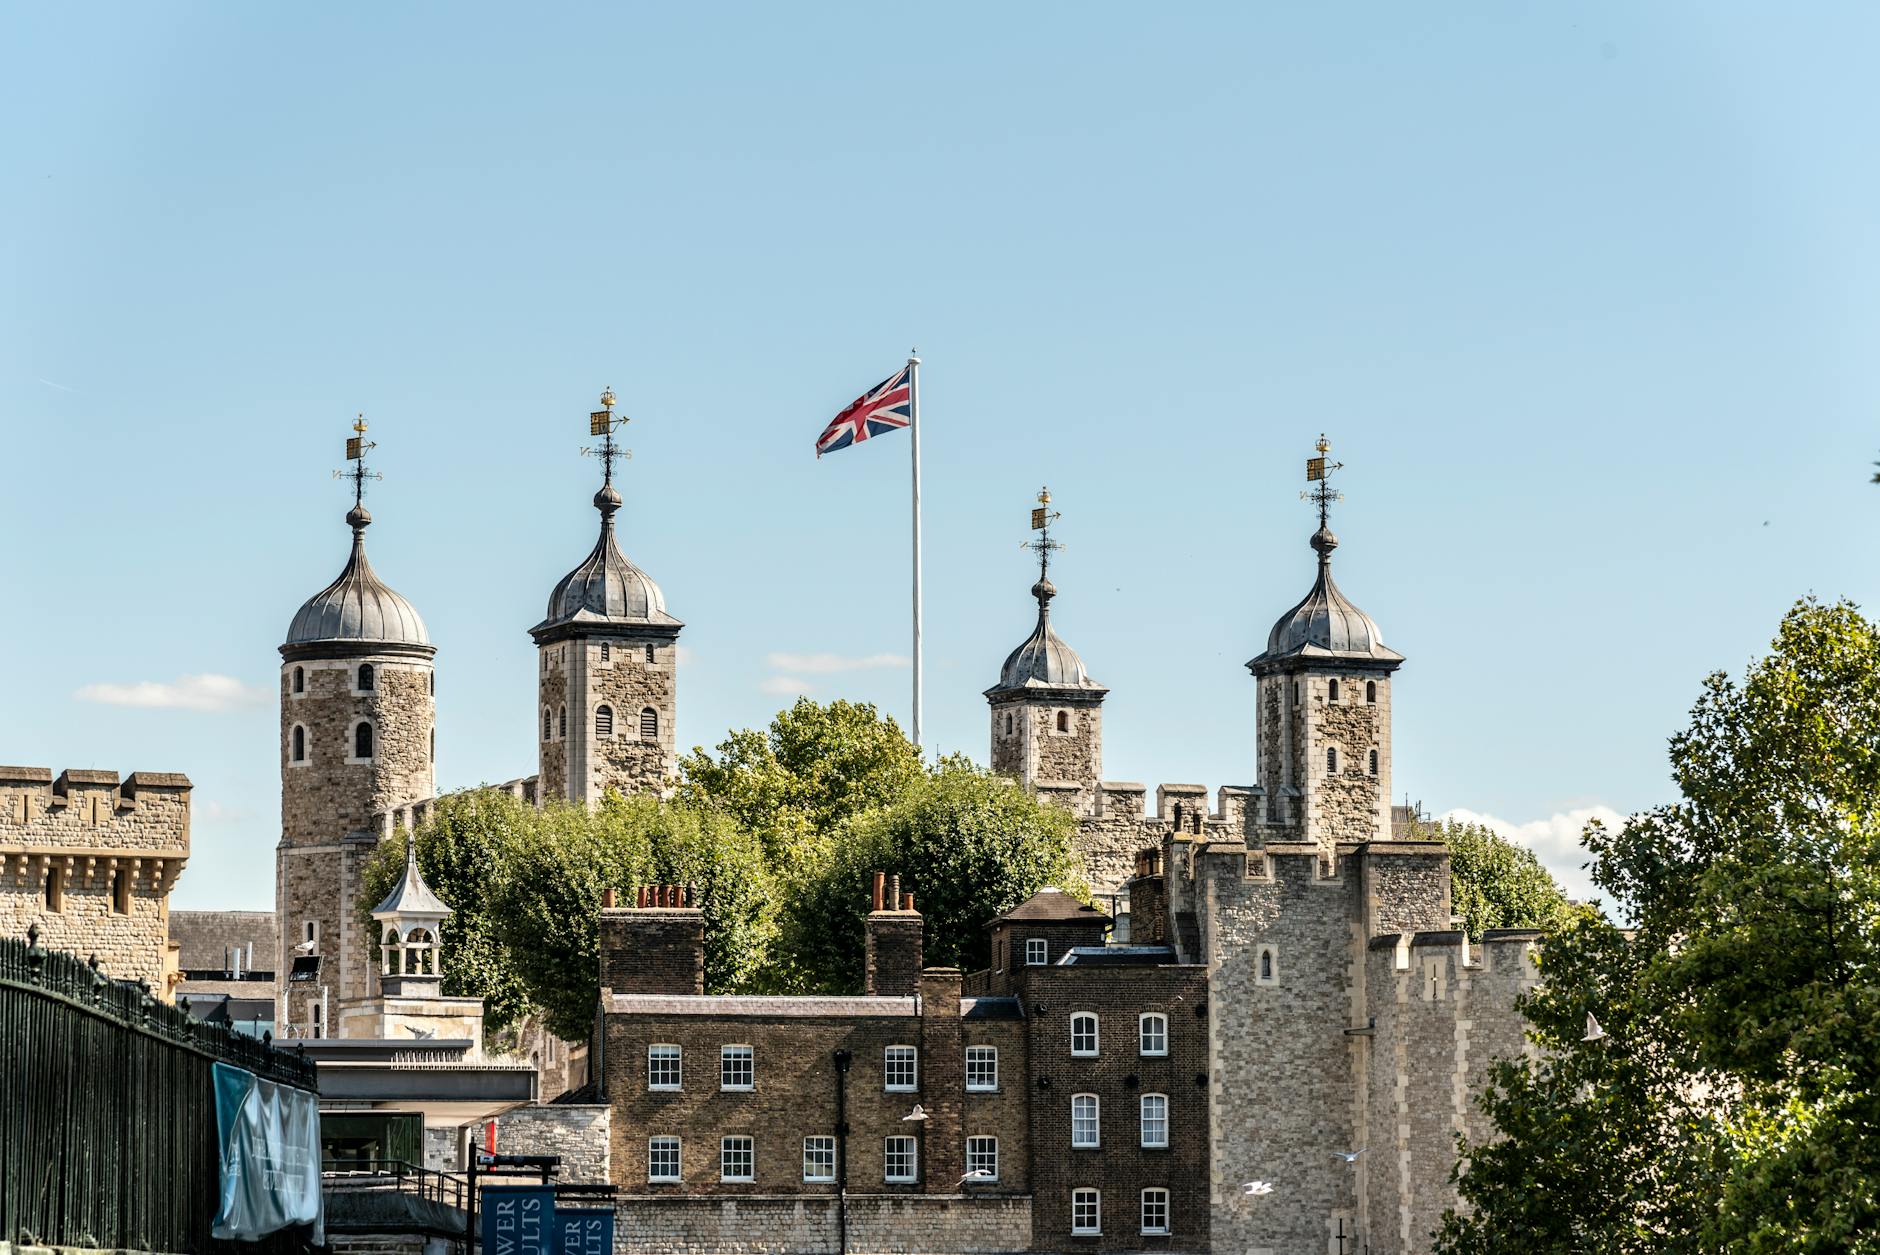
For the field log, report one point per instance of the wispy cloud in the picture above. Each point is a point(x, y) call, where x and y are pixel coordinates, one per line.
point(61, 387)
point(1554, 840)
point(828, 664)
point(783, 686)
point(214, 812)
point(190, 692)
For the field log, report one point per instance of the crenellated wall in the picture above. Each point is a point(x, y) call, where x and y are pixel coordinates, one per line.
point(91, 858)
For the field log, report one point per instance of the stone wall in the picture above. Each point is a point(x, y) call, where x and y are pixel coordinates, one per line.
point(582, 675)
point(904, 1224)
point(552, 722)
point(1115, 829)
point(91, 860)
point(329, 792)
point(580, 1134)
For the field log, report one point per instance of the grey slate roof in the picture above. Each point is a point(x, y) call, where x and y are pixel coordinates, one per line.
point(1118, 956)
point(1326, 624)
point(411, 896)
point(1044, 661)
point(607, 589)
point(207, 937)
point(763, 1006)
point(1053, 906)
point(358, 606)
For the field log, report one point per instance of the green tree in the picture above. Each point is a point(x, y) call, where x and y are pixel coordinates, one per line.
point(1734, 1102)
point(797, 781)
point(1494, 883)
point(464, 850)
point(968, 844)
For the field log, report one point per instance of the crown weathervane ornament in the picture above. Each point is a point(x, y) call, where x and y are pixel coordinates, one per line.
point(357, 446)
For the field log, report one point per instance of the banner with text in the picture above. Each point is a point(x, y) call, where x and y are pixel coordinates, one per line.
point(585, 1230)
point(519, 1220)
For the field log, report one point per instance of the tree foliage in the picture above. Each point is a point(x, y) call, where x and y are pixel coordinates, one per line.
point(1734, 1103)
point(1494, 883)
point(968, 844)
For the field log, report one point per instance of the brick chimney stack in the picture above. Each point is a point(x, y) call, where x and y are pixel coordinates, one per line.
point(894, 939)
point(657, 945)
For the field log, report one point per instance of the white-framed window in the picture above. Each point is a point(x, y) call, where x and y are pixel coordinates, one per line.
point(900, 1072)
point(1152, 1033)
point(736, 1159)
point(1155, 1120)
point(982, 1155)
point(1086, 1212)
point(737, 1068)
point(607, 651)
point(310, 931)
point(652, 654)
point(898, 1161)
point(1331, 761)
point(1155, 1211)
point(982, 1069)
point(362, 742)
point(1332, 692)
point(1037, 951)
point(819, 1159)
point(1374, 762)
point(604, 723)
point(299, 754)
point(368, 679)
point(300, 680)
point(1084, 1121)
point(1084, 1034)
point(1063, 721)
point(649, 724)
point(548, 724)
point(1370, 692)
point(662, 1066)
point(662, 1159)
point(1267, 972)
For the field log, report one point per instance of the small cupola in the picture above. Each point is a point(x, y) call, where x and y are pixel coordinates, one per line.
point(1044, 666)
point(408, 920)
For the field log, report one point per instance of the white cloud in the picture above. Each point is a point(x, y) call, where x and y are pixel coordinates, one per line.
point(215, 812)
point(683, 654)
point(825, 664)
point(190, 692)
point(783, 686)
point(1554, 840)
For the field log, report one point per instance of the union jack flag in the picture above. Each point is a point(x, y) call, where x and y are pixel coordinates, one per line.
point(888, 406)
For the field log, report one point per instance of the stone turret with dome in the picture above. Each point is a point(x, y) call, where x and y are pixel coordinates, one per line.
point(1047, 713)
point(607, 660)
point(1324, 704)
point(357, 740)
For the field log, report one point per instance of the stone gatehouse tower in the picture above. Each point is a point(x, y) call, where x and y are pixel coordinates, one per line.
point(358, 740)
point(1047, 714)
point(606, 667)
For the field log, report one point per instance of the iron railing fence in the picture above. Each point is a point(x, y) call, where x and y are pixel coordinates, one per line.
point(107, 1110)
point(447, 1188)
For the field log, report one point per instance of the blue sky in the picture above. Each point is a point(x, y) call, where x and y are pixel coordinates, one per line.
point(1583, 294)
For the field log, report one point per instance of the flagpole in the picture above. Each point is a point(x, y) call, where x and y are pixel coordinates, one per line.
point(913, 430)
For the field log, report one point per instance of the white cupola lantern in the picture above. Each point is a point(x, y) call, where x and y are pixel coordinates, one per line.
point(408, 921)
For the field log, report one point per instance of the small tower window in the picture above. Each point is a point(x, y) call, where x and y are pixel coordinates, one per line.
point(1331, 691)
point(121, 892)
point(1064, 720)
point(1374, 762)
point(300, 744)
point(300, 679)
point(1295, 692)
point(649, 724)
point(1331, 761)
point(55, 888)
point(362, 740)
point(1008, 723)
point(607, 651)
point(1266, 965)
point(548, 724)
point(561, 722)
point(651, 655)
point(433, 744)
point(1370, 692)
point(604, 723)
point(366, 678)
point(431, 684)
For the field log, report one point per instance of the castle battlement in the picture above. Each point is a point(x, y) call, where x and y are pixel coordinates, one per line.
point(84, 808)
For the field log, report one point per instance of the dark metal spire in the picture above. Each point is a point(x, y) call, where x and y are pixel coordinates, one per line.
point(1319, 471)
point(602, 423)
point(1042, 516)
point(357, 446)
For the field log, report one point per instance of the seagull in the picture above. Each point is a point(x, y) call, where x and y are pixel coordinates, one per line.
point(1593, 1031)
point(306, 947)
point(918, 1113)
point(977, 1174)
point(1349, 1156)
point(1255, 1189)
point(421, 1033)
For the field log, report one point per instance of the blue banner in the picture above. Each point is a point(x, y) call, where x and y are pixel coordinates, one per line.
point(585, 1230)
point(269, 1138)
point(519, 1220)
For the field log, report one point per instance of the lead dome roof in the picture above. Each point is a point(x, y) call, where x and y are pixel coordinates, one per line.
point(606, 589)
point(1044, 662)
point(358, 607)
point(1326, 624)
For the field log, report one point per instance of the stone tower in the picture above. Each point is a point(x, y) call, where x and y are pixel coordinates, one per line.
point(1324, 710)
point(357, 739)
point(1047, 713)
point(606, 667)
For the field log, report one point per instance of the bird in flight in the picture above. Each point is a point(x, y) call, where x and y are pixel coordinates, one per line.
point(918, 1113)
point(1349, 1156)
point(1593, 1031)
point(1256, 1189)
point(977, 1174)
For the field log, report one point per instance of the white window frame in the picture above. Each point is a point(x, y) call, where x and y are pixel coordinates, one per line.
point(1144, 1125)
point(1078, 1018)
point(1143, 1023)
point(1095, 1140)
point(1040, 947)
point(678, 1067)
point(1161, 1199)
point(726, 1058)
point(1094, 1228)
point(737, 1145)
point(987, 1149)
point(905, 1146)
point(656, 1146)
point(823, 1148)
point(891, 1059)
point(352, 743)
point(984, 1056)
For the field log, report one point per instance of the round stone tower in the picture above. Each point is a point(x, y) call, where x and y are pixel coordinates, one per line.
point(357, 739)
point(606, 667)
point(1324, 709)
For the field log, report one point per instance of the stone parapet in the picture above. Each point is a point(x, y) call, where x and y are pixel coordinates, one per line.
point(799, 1225)
point(578, 1133)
